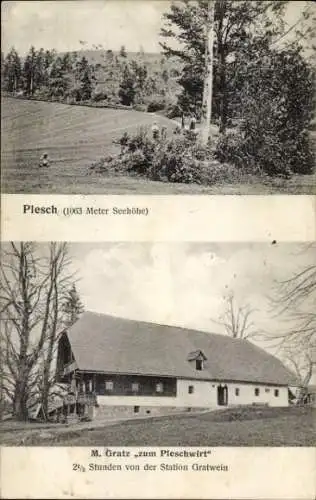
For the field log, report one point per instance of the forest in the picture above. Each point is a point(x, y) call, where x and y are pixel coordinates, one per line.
point(144, 81)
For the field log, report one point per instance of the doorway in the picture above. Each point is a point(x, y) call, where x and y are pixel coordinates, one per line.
point(222, 395)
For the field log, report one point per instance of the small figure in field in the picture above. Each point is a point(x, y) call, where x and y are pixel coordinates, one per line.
point(193, 130)
point(192, 123)
point(44, 160)
point(155, 131)
point(163, 133)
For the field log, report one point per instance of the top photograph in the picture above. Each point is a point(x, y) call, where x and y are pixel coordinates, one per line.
point(158, 97)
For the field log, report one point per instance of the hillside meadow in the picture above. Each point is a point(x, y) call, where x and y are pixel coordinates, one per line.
point(77, 136)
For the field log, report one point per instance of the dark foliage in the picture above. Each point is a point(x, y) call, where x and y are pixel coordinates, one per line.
point(179, 158)
point(277, 105)
point(156, 105)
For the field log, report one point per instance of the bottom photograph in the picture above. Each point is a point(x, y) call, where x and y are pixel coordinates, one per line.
point(158, 344)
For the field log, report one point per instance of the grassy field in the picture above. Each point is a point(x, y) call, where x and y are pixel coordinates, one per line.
point(75, 137)
point(252, 426)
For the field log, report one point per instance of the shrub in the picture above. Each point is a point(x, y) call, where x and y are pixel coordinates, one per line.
point(136, 152)
point(277, 109)
point(173, 111)
point(156, 105)
point(99, 96)
point(174, 160)
point(266, 154)
point(140, 107)
point(232, 148)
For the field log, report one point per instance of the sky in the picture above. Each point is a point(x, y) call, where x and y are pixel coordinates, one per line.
point(111, 23)
point(185, 284)
point(61, 24)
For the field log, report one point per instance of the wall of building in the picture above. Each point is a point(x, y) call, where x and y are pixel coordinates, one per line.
point(135, 385)
point(204, 394)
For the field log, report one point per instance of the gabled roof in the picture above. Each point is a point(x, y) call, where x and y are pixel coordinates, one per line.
point(102, 343)
point(196, 355)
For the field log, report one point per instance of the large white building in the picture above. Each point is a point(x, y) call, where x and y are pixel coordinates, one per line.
point(142, 366)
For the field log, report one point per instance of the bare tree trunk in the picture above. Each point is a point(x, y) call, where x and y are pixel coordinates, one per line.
point(20, 409)
point(31, 316)
point(208, 81)
point(57, 263)
point(223, 93)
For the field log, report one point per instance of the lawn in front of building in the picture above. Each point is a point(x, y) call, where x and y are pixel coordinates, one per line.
point(251, 426)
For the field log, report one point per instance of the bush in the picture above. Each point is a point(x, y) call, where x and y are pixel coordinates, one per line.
point(173, 111)
point(137, 152)
point(99, 96)
point(277, 110)
point(266, 154)
point(140, 107)
point(232, 148)
point(156, 105)
point(175, 160)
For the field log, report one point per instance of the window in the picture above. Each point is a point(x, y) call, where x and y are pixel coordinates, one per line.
point(136, 409)
point(276, 393)
point(257, 391)
point(237, 391)
point(199, 364)
point(191, 389)
point(267, 389)
point(135, 386)
point(109, 386)
point(159, 387)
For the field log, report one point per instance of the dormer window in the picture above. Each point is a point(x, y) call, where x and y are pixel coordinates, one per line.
point(198, 358)
point(199, 364)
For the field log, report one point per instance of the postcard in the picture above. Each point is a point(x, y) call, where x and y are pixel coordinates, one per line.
point(158, 264)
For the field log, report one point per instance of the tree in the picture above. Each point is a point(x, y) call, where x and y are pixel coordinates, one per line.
point(33, 288)
point(84, 77)
point(237, 320)
point(59, 277)
point(29, 72)
point(165, 76)
point(294, 300)
point(236, 25)
point(273, 134)
point(127, 89)
point(12, 71)
point(85, 86)
point(123, 51)
point(208, 78)
point(72, 306)
point(59, 80)
point(66, 62)
point(140, 74)
point(300, 361)
point(39, 72)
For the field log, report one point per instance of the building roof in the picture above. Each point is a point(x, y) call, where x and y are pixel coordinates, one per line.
point(103, 343)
